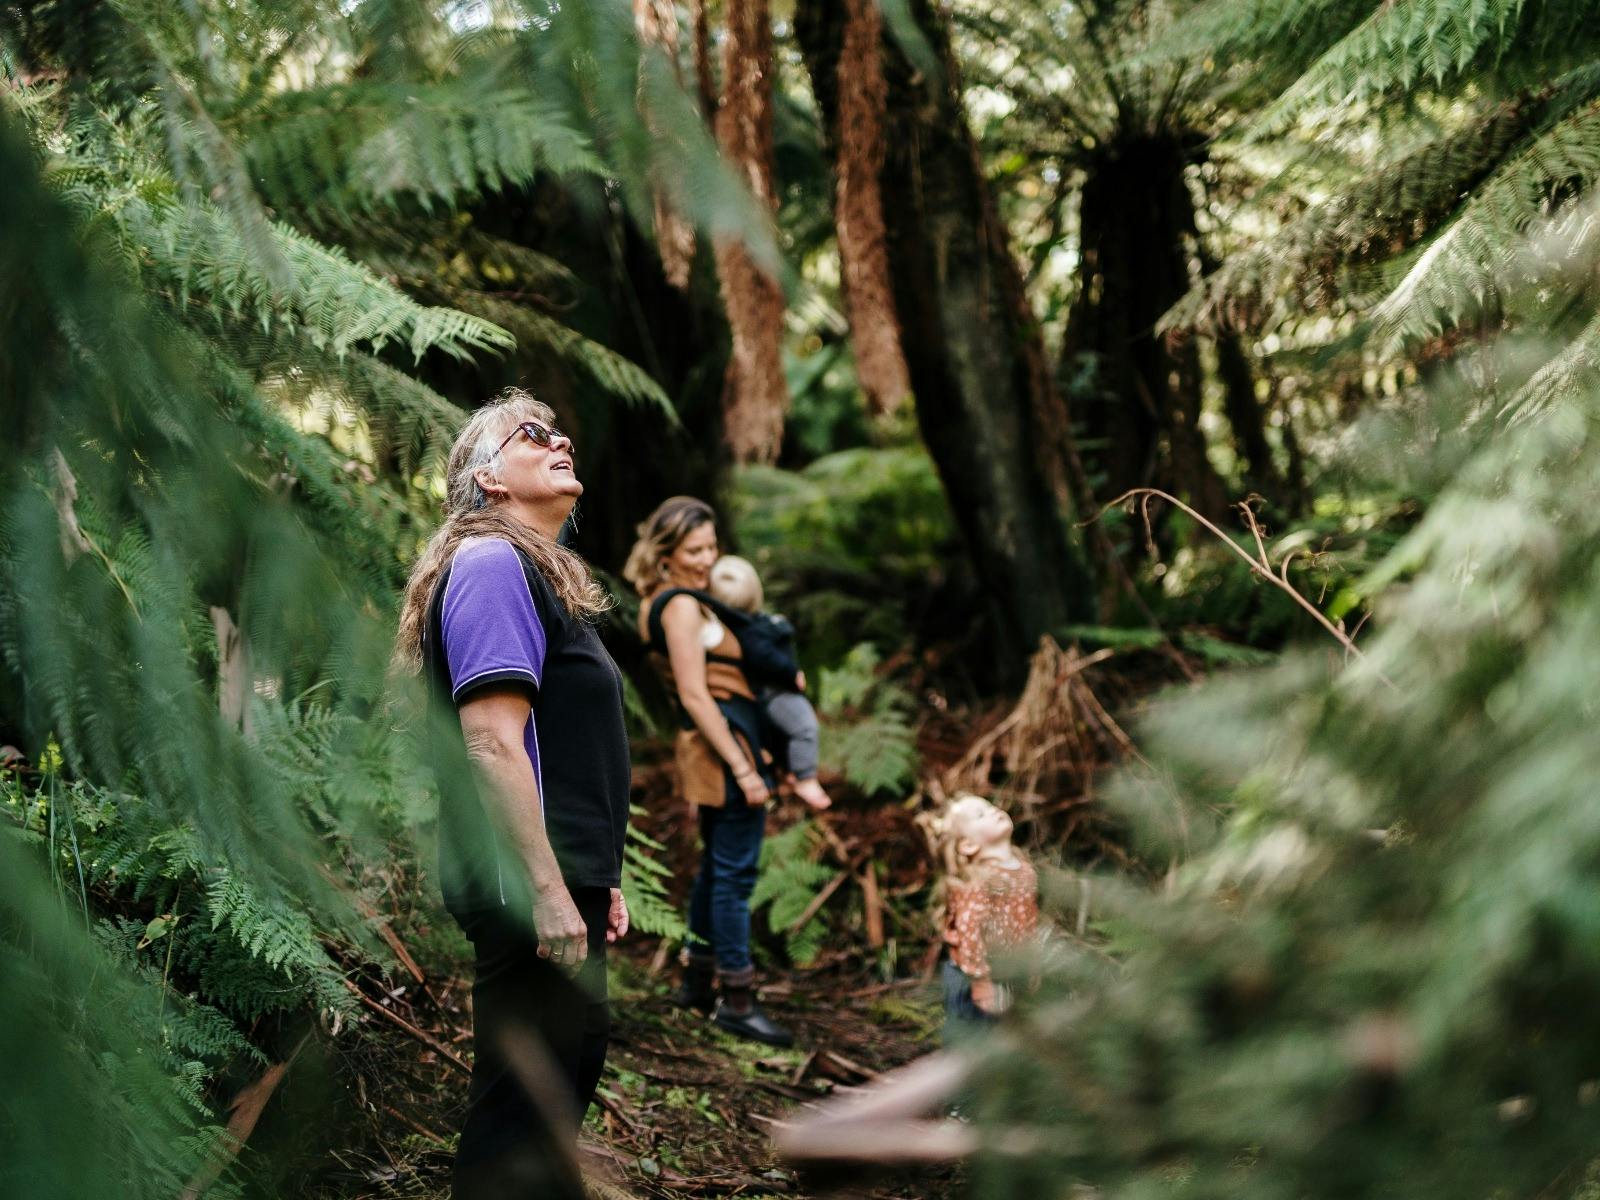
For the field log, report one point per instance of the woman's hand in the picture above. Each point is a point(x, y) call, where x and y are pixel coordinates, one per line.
point(617, 917)
point(563, 937)
point(752, 785)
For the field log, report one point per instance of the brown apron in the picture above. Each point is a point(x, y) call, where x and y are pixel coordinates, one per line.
point(702, 775)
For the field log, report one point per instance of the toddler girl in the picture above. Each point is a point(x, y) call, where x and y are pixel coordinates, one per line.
point(992, 902)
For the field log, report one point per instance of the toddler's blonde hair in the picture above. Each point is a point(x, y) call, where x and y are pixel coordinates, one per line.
point(943, 841)
point(735, 582)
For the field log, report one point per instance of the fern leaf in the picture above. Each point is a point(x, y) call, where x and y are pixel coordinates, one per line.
point(1462, 270)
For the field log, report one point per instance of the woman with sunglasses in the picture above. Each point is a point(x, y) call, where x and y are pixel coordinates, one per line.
point(721, 770)
point(532, 761)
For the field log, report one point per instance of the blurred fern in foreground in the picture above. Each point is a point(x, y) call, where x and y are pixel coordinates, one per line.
point(1373, 964)
point(223, 293)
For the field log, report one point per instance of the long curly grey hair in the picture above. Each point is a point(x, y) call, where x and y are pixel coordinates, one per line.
point(471, 512)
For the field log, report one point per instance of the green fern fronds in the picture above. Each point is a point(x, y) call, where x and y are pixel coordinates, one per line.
point(336, 303)
point(791, 878)
point(616, 374)
point(876, 753)
point(867, 731)
point(1398, 45)
point(1462, 270)
point(644, 886)
point(349, 148)
point(1330, 253)
point(1574, 370)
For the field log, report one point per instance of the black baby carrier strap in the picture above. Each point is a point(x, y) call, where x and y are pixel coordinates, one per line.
point(767, 642)
point(731, 617)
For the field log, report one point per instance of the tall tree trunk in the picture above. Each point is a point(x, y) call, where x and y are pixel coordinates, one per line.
point(863, 256)
point(988, 413)
point(1246, 414)
point(1136, 390)
point(657, 23)
point(700, 34)
point(1247, 417)
point(757, 395)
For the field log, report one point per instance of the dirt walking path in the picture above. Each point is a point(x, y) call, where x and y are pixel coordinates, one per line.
point(685, 1110)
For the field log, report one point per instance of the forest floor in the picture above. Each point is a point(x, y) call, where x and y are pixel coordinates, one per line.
point(684, 1109)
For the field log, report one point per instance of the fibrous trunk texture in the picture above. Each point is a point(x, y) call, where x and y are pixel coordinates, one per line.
point(880, 365)
point(989, 416)
point(757, 394)
point(1136, 388)
point(657, 23)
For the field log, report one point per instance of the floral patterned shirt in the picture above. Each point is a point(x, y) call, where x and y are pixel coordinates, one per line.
point(999, 908)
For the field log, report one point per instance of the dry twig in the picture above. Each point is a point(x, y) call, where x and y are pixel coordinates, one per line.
point(1260, 564)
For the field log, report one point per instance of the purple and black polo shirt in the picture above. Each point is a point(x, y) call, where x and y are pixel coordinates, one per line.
point(495, 620)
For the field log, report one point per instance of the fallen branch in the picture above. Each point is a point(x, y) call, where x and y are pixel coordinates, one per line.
point(246, 1110)
point(873, 903)
point(416, 1126)
point(800, 1071)
point(426, 1038)
point(616, 1109)
point(851, 1065)
point(381, 924)
point(817, 901)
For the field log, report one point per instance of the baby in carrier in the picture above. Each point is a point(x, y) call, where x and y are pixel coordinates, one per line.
point(769, 663)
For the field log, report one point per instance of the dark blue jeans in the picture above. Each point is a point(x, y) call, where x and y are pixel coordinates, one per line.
point(962, 1016)
point(719, 905)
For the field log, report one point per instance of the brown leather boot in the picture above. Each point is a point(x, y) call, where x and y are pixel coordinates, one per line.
point(739, 1014)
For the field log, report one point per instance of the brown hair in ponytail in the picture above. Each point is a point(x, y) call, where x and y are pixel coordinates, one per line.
point(659, 535)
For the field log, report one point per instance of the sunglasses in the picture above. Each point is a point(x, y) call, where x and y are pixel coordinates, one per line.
point(538, 435)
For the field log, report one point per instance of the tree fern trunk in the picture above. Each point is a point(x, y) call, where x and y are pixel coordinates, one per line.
point(657, 23)
point(1246, 414)
point(1247, 417)
point(988, 413)
point(1137, 391)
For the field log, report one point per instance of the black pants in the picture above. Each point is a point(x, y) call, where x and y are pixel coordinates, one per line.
point(540, 1041)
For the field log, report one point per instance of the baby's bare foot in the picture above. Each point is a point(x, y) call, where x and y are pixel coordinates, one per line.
point(811, 792)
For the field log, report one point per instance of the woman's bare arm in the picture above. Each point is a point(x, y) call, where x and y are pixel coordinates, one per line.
point(681, 621)
point(492, 721)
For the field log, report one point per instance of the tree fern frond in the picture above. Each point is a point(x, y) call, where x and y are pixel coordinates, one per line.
point(1398, 45)
point(336, 303)
point(617, 375)
point(1573, 371)
point(350, 147)
point(1313, 261)
point(790, 879)
point(1279, 39)
point(1465, 266)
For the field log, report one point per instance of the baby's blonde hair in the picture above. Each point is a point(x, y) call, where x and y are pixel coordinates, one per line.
point(734, 582)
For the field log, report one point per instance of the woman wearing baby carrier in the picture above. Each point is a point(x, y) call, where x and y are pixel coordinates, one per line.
point(721, 770)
